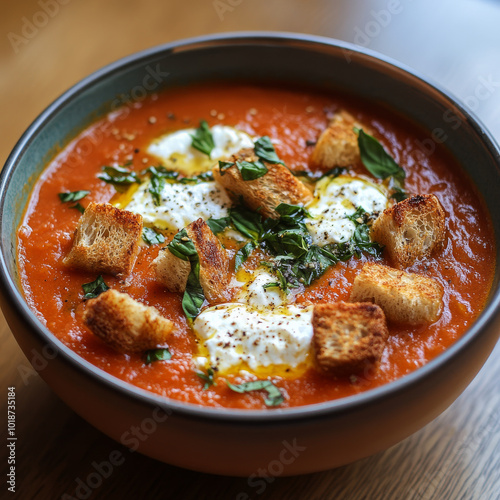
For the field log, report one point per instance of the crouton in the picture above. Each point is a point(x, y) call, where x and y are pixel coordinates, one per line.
point(411, 229)
point(264, 194)
point(348, 337)
point(106, 240)
point(126, 324)
point(404, 297)
point(337, 146)
point(173, 272)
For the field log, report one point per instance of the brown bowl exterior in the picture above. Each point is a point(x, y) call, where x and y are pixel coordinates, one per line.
point(236, 442)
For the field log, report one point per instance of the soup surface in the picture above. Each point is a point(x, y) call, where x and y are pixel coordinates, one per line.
point(293, 120)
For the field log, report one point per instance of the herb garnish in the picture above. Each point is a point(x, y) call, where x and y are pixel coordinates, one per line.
point(160, 354)
point(151, 237)
point(183, 247)
point(264, 149)
point(251, 170)
point(208, 378)
point(202, 139)
point(375, 158)
point(274, 396)
point(119, 177)
point(79, 207)
point(72, 196)
point(296, 260)
point(95, 288)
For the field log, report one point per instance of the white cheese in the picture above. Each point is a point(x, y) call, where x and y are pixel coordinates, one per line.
point(237, 336)
point(174, 150)
point(336, 198)
point(180, 204)
point(253, 293)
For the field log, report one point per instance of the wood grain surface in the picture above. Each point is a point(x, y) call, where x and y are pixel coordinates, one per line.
point(48, 45)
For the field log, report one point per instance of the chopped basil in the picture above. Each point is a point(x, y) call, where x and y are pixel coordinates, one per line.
point(247, 222)
point(151, 237)
point(264, 149)
point(79, 207)
point(243, 254)
point(197, 179)
point(218, 225)
point(251, 170)
point(208, 378)
point(95, 288)
point(160, 354)
point(398, 194)
point(183, 247)
point(375, 158)
point(119, 177)
point(202, 139)
point(274, 396)
point(73, 196)
point(224, 165)
point(156, 185)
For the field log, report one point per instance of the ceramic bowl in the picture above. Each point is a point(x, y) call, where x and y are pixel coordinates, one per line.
point(237, 442)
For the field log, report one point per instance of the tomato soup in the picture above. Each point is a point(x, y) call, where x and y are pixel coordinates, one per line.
point(293, 119)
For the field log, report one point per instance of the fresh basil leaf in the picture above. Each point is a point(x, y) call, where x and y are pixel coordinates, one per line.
point(243, 254)
point(274, 395)
point(202, 139)
point(251, 170)
point(292, 213)
point(119, 177)
point(218, 225)
point(73, 196)
point(247, 222)
point(334, 172)
point(375, 158)
point(264, 149)
point(79, 207)
point(160, 354)
point(398, 194)
point(225, 165)
point(183, 247)
point(161, 171)
point(197, 179)
point(208, 378)
point(94, 288)
point(156, 185)
point(151, 237)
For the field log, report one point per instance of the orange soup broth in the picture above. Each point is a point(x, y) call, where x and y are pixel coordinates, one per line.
point(292, 117)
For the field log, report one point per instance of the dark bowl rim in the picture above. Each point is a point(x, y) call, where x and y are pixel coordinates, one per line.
point(264, 416)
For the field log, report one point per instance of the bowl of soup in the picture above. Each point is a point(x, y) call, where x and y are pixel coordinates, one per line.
point(252, 249)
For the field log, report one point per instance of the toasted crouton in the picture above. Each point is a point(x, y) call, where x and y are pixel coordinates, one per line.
point(404, 297)
point(348, 337)
point(125, 324)
point(337, 146)
point(411, 229)
point(214, 264)
point(264, 194)
point(106, 240)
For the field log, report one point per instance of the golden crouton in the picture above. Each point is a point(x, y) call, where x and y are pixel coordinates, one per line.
point(106, 240)
point(404, 297)
point(265, 193)
point(125, 324)
point(411, 229)
point(173, 272)
point(337, 146)
point(348, 337)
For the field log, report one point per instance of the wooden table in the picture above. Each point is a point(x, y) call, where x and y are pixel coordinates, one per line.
point(46, 46)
